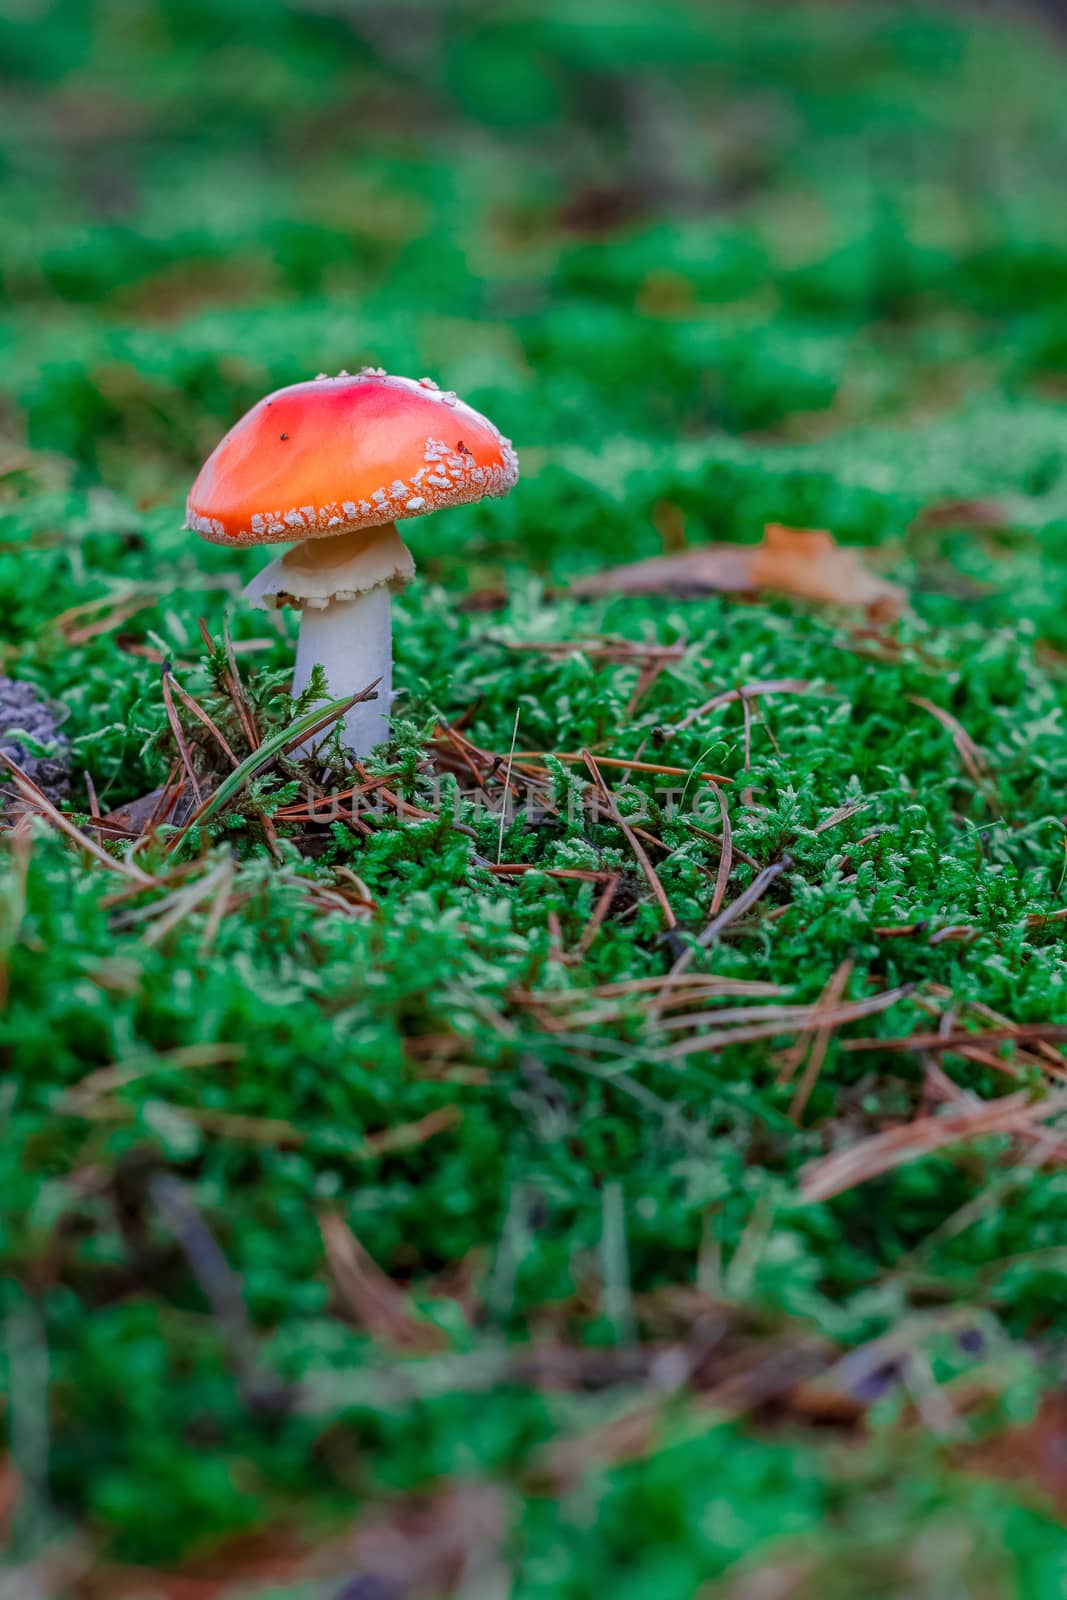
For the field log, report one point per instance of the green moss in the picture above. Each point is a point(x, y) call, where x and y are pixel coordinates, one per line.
point(709, 267)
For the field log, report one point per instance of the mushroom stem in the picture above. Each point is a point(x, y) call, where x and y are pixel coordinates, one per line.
point(352, 641)
point(341, 586)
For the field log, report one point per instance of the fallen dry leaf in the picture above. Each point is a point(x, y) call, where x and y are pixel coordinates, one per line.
point(800, 561)
point(166, 804)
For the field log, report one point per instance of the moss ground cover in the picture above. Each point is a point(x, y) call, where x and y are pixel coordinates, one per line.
point(349, 1182)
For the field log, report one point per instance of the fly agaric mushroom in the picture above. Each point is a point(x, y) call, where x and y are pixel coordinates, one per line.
point(337, 463)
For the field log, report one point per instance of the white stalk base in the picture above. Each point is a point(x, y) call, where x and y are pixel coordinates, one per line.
point(352, 641)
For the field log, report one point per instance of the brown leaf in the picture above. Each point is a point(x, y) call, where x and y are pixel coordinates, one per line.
point(800, 561)
point(170, 803)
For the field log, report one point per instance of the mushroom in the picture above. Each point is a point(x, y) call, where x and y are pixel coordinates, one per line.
point(336, 463)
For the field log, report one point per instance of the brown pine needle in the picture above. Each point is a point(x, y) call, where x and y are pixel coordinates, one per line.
point(737, 908)
point(75, 630)
point(748, 691)
point(882, 1152)
point(600, 911)
point(631, 838)
point(179, 737)
point(408, 1135)
point(104, 1080)
point(220, 906)
point(375, 1303)
point(21, 844)
point(652, 669)
point(40, 802)
point(628, 986)
point(842, 814)
point(813, 1019)
point(820, 1043)
point(969, 753)
point(726, 854)
point(237, 690)
point(198, 711)
point(172, 911)
point(734, 1015)
point(628, 763)
point(620, 651)
point(1013, 1032)
point(245, 1128)
point(509, 869)
point(169, 796)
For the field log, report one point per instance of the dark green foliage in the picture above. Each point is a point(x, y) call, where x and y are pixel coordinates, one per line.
point(709, 266)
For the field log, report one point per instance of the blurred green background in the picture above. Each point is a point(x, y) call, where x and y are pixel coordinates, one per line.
point(600, 221)
point(708, 265)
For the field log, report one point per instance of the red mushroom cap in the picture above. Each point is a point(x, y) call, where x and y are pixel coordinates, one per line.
point(336, 454)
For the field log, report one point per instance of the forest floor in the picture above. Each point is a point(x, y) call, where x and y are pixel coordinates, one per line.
point(415, 1207)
